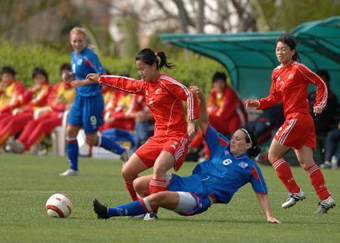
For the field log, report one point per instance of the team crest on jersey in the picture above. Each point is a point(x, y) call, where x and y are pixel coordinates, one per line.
point(226, 152)
point(243, 165)
point(291, 76)
point(150, 102)
point(158, 91)
point(278, 78)
point(79, 62)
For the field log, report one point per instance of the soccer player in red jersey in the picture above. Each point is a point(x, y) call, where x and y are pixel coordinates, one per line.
point(290, 82)
point(164, 96)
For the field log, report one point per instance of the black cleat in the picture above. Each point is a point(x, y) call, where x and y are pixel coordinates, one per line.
point(100, 209)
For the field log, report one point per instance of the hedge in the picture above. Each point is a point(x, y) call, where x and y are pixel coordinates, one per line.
point(194, 70)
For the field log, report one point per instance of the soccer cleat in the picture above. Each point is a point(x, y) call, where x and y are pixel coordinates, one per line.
point(16, 147)
point(326, 165)
point(126, 155)
point(325, 205)
point(150, 216)
point(69, 172)
point(293, 198)
point(100, 209)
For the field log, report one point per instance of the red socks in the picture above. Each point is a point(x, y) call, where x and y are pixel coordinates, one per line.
point(286, 176)
point(132, 192)
point(318, 182)
point(157, 186)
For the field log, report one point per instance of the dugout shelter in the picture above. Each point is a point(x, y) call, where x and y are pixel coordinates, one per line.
point(250, 57)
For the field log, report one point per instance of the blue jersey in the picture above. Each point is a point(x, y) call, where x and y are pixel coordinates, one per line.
point(223, 174)
point(83, 64)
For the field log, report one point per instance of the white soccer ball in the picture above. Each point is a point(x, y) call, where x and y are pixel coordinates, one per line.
point(59, 206)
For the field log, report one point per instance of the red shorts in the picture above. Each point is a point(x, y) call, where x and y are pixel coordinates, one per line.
point(176, 145)
point(297, 130)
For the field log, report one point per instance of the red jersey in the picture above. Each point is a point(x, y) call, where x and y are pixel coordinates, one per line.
point(164, 98)
point(290, 84)
point(227, 109)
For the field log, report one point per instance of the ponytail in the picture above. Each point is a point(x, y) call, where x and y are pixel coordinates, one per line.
point(149, 57)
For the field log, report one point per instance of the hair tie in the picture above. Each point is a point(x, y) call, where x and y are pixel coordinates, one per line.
point(246, 132)
point(156, 53)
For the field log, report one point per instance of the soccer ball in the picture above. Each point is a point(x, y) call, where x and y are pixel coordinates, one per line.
point(59, 206)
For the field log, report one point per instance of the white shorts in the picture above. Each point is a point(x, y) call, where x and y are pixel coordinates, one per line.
point(187, 201)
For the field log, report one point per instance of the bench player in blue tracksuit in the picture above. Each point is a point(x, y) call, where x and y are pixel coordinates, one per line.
point(87, 108)
point(213, 181)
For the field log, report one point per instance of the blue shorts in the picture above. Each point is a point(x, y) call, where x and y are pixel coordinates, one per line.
point(194, 185)
point(87, 112)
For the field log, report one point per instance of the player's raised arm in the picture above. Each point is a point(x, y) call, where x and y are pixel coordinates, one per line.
point(203, 113)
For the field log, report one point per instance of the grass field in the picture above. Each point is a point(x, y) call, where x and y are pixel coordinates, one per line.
point(26, 182)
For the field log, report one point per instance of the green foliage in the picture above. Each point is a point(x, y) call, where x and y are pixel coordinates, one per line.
point(191, 69)
point(28, 181)
point(290, 14)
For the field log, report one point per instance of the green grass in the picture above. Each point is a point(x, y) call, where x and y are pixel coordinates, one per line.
point(26, 182)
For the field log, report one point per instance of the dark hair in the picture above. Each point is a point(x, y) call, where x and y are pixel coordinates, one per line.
point(290, 41)
point(324, 73)
point(149, 57)
point(219, 75)
point(8, 69)
point(65, 67)
point(255, 147)
point(39, 70)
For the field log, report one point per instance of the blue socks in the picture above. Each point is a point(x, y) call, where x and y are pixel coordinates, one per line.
point(109, 145)
point(129, 209)
point(72, 151)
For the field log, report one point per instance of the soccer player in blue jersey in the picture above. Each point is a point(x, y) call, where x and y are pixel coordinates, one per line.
point(213, 181)
point(87, 108)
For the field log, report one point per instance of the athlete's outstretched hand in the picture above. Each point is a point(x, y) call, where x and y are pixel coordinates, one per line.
point(317, 110)
point(273, 220)
point(191, 128)
point(93, 77)
point(252, 103)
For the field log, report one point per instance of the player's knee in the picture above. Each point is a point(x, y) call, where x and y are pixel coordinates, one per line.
point(128, 174)
point(72, 132)
point(157, 199)
point(272, 156)
point(140, 187)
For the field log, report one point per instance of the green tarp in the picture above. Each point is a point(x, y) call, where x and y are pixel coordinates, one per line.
point(250, 57)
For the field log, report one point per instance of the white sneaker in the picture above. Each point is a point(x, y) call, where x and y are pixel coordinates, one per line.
point(326, 165)
point(69, 172)
point(17, 147)
point(293, 198)
point(126, 155)
point(325, 205)
point(150, 216)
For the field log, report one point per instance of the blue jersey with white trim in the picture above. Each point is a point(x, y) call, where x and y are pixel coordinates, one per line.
point(83, 64)
point(223, 174)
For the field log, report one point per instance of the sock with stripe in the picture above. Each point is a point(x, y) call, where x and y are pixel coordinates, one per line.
point(157, 186)
point(130, 209)
point(109, 145)
point(132, 192)
point(318, 182)
point(285, 174)
point(72, 151)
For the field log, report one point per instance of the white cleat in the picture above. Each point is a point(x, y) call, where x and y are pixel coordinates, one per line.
point(325, 205)
point(293, 198)
point(69, 172)
point(150, 216)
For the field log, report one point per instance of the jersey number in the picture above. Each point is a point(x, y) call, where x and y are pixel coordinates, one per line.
point(93, 120)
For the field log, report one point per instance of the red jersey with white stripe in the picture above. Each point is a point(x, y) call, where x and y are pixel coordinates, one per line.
point(164, 98)
point(290, 84)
